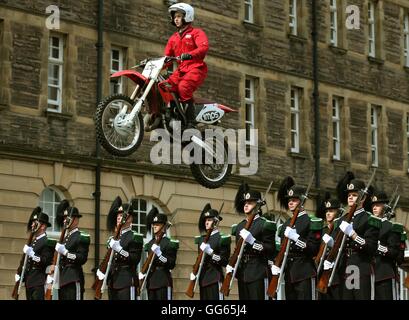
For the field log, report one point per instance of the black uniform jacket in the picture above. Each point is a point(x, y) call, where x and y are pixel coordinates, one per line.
point(36, 267)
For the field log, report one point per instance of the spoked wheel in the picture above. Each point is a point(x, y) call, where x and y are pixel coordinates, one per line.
point(114, 134)
point(213, 172)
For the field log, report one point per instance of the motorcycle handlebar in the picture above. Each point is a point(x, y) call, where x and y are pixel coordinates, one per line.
point(143, 62)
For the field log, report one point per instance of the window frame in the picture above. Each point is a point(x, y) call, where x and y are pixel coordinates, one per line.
point(292, 15)
point(336, 121)
point(371, 29)
point(374, 136)
point(116, 82)
point(249, 102)
point(248, 4)
point(406, 38)
point(296, 111)
point(54, 231)
point(333, 22)
point(56, 105)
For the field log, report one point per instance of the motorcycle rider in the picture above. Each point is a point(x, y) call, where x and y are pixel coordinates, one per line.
point(191, 44)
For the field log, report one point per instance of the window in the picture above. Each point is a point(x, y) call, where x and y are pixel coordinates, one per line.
point(293, 17)
point(371, 29)
point(407, 137)
point(248, 11)
point(295, 120)
point(142, 209)
point(374, 135)
point(406, 38)
point(55, 70)
point(336, 128)
point(117, 64)
point(333, 23)
point(49, 201)
point(249, 105)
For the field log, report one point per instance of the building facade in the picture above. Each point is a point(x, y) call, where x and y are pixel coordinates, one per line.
point(341, 105)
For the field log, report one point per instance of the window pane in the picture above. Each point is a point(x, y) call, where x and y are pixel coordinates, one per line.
point(293, 139)
point(142, 205)
point(115, 65)
point(53, 93)
point(335, 130)
point(55, 41)
point(249, 116)
point(293, 121)
point(115, 54)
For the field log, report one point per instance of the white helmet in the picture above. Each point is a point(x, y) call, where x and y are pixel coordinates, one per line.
point(187, 9)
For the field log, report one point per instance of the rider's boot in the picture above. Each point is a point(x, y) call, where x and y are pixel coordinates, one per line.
point(190, 113)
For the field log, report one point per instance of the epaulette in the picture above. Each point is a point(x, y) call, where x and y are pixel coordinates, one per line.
point(316, 223)
point(374, 221)
point(85, 238)
point(269, 225)
point(403, 236)
point(233, 229)
point(198, 239)
point(397, 227)
point(225, 239)
point(51, 242)
point(174, 244)
point(137, 237)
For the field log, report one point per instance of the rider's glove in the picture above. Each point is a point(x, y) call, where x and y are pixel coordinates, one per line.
point(185, 56)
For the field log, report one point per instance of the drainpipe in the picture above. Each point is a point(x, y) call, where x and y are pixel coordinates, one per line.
point(97, 193)
point(314, 15)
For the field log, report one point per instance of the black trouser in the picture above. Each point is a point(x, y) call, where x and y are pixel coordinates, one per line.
point(333, 293)
point(301, 290)
point(35, 293)
point(119, 294)
point(72, 291)
point(210, 292)
point(159, 294)
point(384, 290)
point(252, 290)
point(363, 293)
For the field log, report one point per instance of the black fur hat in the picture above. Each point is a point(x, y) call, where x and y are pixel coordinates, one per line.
point(33, 216)
point(118, 207)
point(282, 193)
point(342, 184)
point(207, 212)
point(59, 217)
point(245, 194)
point(155, 217)
point(379, 197)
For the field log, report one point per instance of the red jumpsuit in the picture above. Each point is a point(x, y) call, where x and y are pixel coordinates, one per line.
point(191, 73)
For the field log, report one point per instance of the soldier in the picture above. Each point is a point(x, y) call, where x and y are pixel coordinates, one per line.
point(305, 236)
point(74, 253)
point(217, 251)
point(361, 242)
point(259, 242)
point(122, 278)
point(159, 279)
point(388, 250)
point(39, 256)
point(332, 210)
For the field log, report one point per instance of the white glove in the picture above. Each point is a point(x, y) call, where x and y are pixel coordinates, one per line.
point(60, 248)
point(247, 236)
point(382, 248)
point(328, 240)
point(275, 270)
point(206, 248)
point(28, 251)
point(141, 276)
point(50, 279)
point(16, 277)
point(328, 265)
point(229, 269)
point(192, 276)
point(156, 249)
point(347, 228)
point(100, 275)
point(114, 244)
point(291, 233)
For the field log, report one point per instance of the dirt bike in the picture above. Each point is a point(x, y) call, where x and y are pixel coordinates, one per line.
point(120, 125)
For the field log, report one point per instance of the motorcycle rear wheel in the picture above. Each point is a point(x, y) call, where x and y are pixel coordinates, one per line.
point(215, 175)
point(118, 142)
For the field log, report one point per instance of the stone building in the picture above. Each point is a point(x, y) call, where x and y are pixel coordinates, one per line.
point(331, 105)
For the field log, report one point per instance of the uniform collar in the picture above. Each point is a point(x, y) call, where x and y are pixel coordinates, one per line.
point(214, 232)
point(302, 213)
point(257, 216)
point(384, 219)
point(72, 231)
point(359, 211)
point(125, 230)
point(41, 236)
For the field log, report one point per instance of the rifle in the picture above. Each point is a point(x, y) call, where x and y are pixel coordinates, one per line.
point(197, 267)
point(390, 208)
point(100, 285)
point(22, 269)
point(147, 266)
point(235, 259)
point(319, 259)
point(281, 259)
point(335, 253)
point(55, 274)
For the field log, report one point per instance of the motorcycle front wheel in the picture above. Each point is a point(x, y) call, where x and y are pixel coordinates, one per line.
point(117, 139)
point(213, 175)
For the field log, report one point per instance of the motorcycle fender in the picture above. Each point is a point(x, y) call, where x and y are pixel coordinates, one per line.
point(131, 74)
point(210, 113)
